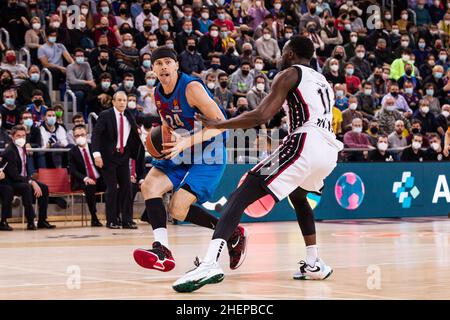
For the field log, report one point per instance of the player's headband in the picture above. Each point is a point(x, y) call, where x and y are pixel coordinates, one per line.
point(163, 52)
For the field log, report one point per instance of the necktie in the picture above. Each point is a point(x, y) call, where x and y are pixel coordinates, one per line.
point(24, 162)
point(133, 167)
point(121, 134)
point(89, 167)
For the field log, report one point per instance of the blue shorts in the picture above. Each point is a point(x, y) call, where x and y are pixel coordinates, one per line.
point(202, 179)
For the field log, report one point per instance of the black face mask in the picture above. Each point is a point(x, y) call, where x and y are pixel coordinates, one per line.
point(247, 52)
point(103, 46)
point(147, 28)
point(374, 130)
point(330, 24)
point(312, 10)
point(6, 81)
point(230, 50)
point(408, 72)
point(37, 102)
point(223, 84)
point(105, 29)
point(146, 12)
point(394, 94)
point(338, 56)
point(415, 130)
point(104, 61)
point(191, 48)
point(123, 11)
point(245, 72)
point(215, 66)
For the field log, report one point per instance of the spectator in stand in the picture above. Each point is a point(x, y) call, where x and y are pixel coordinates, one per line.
point(222, 94)
point(147, 92)
point(18, 71)
point(241, 81)
point(6, 81)
point(409, 77)
point(10, 113)
point(103, 66)
point(257, 93)
point(230, 60)
point(223, 21)
point(355, 139)
point(396, 138)
point(101, 97)
point(256, 12)
point(400, 103)
point(373, 132)
point(435, 152)
point(141, 37)
point(427, 119)
point(414, 153)
point(350, 113)
point(381, 154)
point(37, 108)
point(309, 16)
point(5, 139)
point(145, 66)
point(53, 136)
point(127, 56)
point(104, 30)
point(426, 69)
point(33, 140)
point(411, 96)
point(128, 86)
point(443, 120)
point(416, 128)
point(152, 44)
point(15, 20)
point(366, 101)
point(353, 83)
point(210, 43)
point(334, 75)
point(341, 101)
point(215, 68)
point(398, 65)
point(204, 21)
point(430, 96)
point(26, 89)
point(388, 115)
point(104, 11)
point(77, 120)
point(190, 61)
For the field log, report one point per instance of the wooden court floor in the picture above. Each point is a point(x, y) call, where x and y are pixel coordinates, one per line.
point(372, 259)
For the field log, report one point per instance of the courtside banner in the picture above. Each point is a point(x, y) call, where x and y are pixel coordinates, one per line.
point(361, 190)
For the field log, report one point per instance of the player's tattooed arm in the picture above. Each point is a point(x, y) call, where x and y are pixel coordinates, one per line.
point(266, 110)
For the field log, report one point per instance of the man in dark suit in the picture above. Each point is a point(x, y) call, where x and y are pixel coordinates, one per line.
point(18, 177)
point(83, 173)
point(115, 140)
point(6, 198)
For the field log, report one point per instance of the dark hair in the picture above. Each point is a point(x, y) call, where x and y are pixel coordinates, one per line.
point(105, 75)
point(78, 50)
point(222, 74)
point(79, 126)
point(103, 51)
point(48, 110)
point(302, 46)
point(37, 92)
point(416, 121)
point(213, 25)
point(127, 75)
point(76, 117)
point(260, 76)
point(17, 128)
point(23, 112)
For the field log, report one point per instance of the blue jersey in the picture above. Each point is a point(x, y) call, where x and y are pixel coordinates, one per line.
point(179, 115)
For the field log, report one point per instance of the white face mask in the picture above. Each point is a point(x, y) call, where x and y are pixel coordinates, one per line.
point(334, 67)
point(339, 93)
point(445, 114)
point(416, 145)
point(288, 35)
point(266, 36)
point(20, 142)
point(128, 43)
point(36, 26)
point(153, 44)
point(205, 15)
point(56, 24)
point(131, 105)
point(211, 85)
point(425, 109)
point(357, 130)
point(436, 146)
point(405, 57)
point(84, 11)
point(353, 106)
point(259, 66)
point(214, 33)
point(382, 146)
point(81, 141)
point(277, 6)
point(360, 55)
point(390, 108)
point(260, 86)
point(354, 39)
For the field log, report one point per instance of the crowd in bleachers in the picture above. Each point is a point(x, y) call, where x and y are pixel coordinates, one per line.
point(387, 73)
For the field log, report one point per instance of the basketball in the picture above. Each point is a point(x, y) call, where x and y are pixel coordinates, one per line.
point(260, 207)
point(157, 136)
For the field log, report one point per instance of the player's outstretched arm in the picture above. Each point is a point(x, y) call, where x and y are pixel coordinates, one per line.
point(266, 110)
point(199, 98)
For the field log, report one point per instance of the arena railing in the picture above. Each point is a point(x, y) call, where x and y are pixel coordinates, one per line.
point(66, 104)
point(25, 52)
point(49, 81)
point(4, 32)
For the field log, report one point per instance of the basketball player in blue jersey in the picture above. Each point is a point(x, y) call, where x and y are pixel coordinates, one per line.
point(178, 98)
point(300, 165)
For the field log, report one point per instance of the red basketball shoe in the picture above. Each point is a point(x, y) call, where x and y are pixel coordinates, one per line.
point(159, 258)
point(237, 247)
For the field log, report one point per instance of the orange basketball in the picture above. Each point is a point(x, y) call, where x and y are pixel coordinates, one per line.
point(157, 136)
point(260, 207)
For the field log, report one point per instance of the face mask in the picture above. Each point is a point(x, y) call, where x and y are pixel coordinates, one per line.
point(52, 39)
point(79, 60)
point(258, 3)
point(51, 121)
point(415, 130)
point(131, 105)
point(164, 27)
point(339, 93)
point(288, 35)
point(445, 114)
point(416, 145)
point(36, 26)
point(334, 67)
point(394, 94)
point(56, 24)
point(214, 33)
point(388, 17)
point(35, 77)
point(153, 44)
point(247, 52)
point(151, 82)
point(349, 71)
point(422, 45)
point(58, 114)
point(166, 16)
point(260, 86)
point(211, 85)
point(354, 39)
point(245, 72)
point(237, 5)
point(224, 84)
point(179, 2)
point(430, 92)
point(405, 57)
point(311, 30)
point(106, 85)
point(390, 107)
point(221, 16)
point(147, 28)
point(348, 27)
point(259, 66)
point(128, 43)
point(63, 8)
point(436, 146)
point(385, 76)
point(37, 102)
point(404, 16)
point(84, 11)
point(360, 55)
point(338, 56)
point(81, 141)
point(353, 106)
point(277, 6)
point(82, 24)
point(188, 30)
point(170, 45)
point(443, 57)
point(425, 109)
point(357, 130)
point(20, 142)
point(11, 59)
point(205, 15)
point(129, 84)
point(215, 66)
point(382, 146)
point(224, 34)
point(10, 101)
point(146, 63)
point(191, 48)
point(438, 75)
point(28, 122)
point(374, 130)
point(105, 10)
point(409, 90)
point(368, 92)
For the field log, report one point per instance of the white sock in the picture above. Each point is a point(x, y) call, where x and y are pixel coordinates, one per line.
point(311, 255)
point(215, 248)
point(160, 235)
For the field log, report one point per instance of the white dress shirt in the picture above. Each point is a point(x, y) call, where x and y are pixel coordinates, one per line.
point(126, 128)
point(97, 175)
point(23, 160)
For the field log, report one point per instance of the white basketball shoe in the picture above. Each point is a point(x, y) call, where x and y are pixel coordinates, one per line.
point(320, 271)
point(198, 277)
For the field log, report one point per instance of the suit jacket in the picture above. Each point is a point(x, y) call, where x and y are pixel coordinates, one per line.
point(14, 168)
point(77, 167)
point(105, 133)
